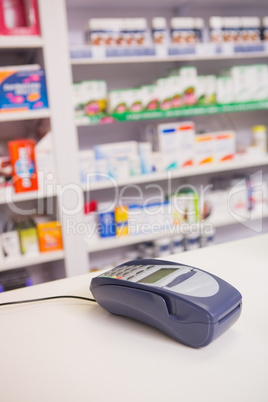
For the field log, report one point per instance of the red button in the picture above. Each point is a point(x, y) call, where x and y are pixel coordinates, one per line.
point(119, 277)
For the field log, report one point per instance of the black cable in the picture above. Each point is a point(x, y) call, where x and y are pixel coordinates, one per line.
point(46, 298)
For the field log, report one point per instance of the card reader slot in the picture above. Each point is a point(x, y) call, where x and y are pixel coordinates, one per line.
point(227, 316)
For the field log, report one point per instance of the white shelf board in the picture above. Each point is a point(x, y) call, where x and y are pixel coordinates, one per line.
point(27, 115)
point(25, 261)
point(250, 216)
point(117, 242)
point(8, 196)
point(21, 42)
point(203, 51)
point(154, 59)
point(174, 174)
point(156, 3)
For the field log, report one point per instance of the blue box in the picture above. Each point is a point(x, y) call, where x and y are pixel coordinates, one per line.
point(22, 90)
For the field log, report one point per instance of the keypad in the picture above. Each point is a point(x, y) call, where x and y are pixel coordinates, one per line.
point(127, 272)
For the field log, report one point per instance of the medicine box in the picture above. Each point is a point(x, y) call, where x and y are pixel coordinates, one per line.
point(204, 148)
point(10, 244)
point(29, 241)
point(188, 77)
point(121, 220)
point(176, 143)
point(165, 93)
point(150, 97)
point(89, 97)
point(225, 145)
point(242, 79)
point(87, 166)
point(49, 236)
point(175, 84)
point(225, 93)
point(210, 89)
point(19, 17)
point(117, 156)
point(119, 101)
point(106, 219)
point(201, 89)
point(22, 158)
point(46, 172)
point(22, 90)
point(259, 82)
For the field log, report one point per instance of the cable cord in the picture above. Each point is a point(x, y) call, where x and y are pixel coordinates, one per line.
point(45, 299)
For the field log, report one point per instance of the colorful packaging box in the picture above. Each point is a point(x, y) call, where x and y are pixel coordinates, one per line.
point(176, 143)
point(225, 145)
point(118, 101)
point(121, 220)
point(106, 220)
point(94, 95)
point(22, 157)
point(150, 97)
point(176, 91)
point(189, 84)
point(185, 206)
point(19, 17)
point(22, 90)
point(29, 240)
point(164, 93)
point(204, 148)
point(49, 236)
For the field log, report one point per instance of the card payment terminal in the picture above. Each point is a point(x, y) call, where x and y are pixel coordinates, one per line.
point(187, 303)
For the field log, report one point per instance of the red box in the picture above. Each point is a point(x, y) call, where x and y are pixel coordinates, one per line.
point(22, 157)
point(19, 17)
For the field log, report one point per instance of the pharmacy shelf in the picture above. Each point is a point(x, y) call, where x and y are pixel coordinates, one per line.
point(21, 42)
point(226, 166)
point(24, 115)
point(8, 196)
point(28, 260)
point(248, 217)
point(123, 241)
point(204, 51)
point(197, 110)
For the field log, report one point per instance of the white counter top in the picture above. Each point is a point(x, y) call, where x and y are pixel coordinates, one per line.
point(70, 350)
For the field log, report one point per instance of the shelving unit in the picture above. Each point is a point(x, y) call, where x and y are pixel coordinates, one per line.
point(61, 61)
point(26, 261)
point(21, 42)
point(25, 115)
point(197, 110)
point(123, 241)
point(91, 62)
point(26, 50)
point(8, 196)
point(204, 51)
point(176, 174)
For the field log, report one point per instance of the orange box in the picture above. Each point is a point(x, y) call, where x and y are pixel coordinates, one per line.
point(22, 158)
point(49, 236)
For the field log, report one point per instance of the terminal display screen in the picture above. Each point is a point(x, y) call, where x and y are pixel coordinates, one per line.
point(157, 275)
